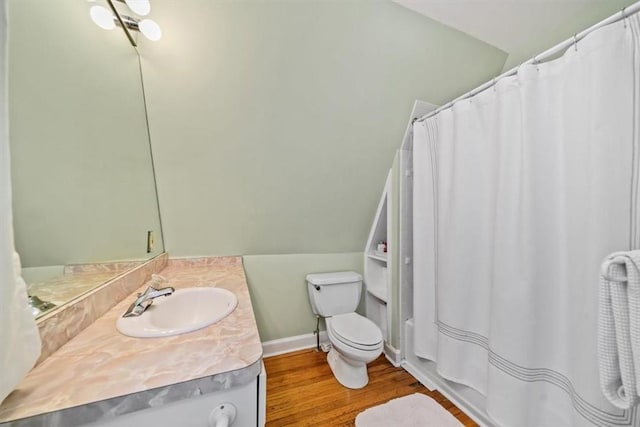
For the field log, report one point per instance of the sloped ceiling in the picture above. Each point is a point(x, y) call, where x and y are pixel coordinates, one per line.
point(522, 28)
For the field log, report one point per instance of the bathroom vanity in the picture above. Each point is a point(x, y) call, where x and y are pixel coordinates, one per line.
point(103, 377)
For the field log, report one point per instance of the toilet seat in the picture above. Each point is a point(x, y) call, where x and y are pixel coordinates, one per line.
point(355, 331)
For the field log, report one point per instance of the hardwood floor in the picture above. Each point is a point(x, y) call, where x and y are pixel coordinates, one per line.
point(301, 391)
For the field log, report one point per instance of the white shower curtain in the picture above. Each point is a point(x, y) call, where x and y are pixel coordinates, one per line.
point(19, 338)
point(519, 194)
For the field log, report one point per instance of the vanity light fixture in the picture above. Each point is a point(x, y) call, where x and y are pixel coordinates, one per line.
point(150, 29)
point(102, 17)
point(147, 27)
point(139, 7)
point(108, 20)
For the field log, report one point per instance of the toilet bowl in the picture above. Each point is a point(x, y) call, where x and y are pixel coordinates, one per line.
point(355, 342)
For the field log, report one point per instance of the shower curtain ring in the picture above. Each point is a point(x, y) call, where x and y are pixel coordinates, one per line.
point(575, 42)
point(536, 63)
point(624, 17)
point(494, 84)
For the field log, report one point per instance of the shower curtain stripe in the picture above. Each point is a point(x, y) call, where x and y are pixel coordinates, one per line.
point(589, 411)
point(519, 193)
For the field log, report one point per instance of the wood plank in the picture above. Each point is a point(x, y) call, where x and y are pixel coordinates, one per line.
point(301, 391)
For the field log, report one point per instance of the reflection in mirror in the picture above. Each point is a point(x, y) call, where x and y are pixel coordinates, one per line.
point(84, 197)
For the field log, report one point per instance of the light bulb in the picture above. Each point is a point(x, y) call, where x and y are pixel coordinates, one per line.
point(150, 29)
point(102, 17)
point(139, 7)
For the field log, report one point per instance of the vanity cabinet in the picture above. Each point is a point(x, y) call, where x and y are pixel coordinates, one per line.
point(249, 402)
point(104, 378)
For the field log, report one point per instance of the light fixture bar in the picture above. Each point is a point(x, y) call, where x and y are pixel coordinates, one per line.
point(122, 23)
point(131, 23)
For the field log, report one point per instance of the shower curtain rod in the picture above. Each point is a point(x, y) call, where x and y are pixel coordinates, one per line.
point(623, 14)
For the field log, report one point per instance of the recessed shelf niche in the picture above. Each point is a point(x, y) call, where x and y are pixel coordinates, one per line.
point(377, 264)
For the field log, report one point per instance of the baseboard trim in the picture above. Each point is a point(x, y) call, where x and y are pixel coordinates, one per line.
point(451, 391)
point(290, 344)
point(468, 400)
point(419, 375)
point(392, 354)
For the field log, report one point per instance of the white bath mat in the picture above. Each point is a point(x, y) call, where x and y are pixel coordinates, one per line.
point(415, 410)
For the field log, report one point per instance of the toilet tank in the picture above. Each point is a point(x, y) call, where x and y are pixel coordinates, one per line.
point(334, 293)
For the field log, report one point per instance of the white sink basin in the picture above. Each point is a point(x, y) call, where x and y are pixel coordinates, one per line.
point(186, 310)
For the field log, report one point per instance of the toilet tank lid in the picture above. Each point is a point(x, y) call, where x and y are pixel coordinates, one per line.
point(333, 278)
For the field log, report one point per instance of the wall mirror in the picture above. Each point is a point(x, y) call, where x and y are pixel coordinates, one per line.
point(84, 195)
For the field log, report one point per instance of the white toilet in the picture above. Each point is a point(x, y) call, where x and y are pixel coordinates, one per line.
point(355, 340)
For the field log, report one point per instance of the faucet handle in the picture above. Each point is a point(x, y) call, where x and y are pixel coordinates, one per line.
point(147, 291)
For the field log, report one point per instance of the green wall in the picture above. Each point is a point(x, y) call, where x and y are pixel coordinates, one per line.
point(279, 290)
point(274, 123)
point(588, 15)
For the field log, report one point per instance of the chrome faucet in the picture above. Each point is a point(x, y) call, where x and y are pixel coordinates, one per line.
point(39, 306)
point(146, 298)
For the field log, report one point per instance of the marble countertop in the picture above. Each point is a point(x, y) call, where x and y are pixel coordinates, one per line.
point(100, 364)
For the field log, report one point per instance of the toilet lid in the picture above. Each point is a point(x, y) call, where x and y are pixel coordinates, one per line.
point(356, 330)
